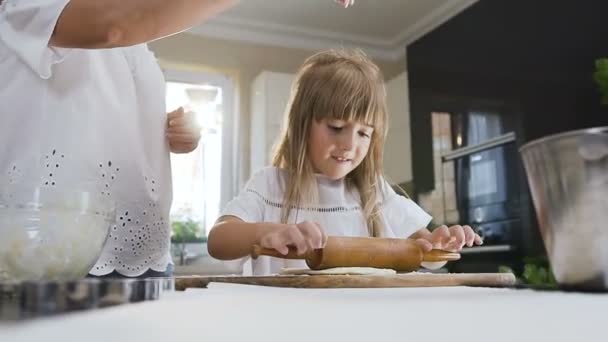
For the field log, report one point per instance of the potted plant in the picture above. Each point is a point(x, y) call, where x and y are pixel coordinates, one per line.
point(187, 239)
point(536, 273)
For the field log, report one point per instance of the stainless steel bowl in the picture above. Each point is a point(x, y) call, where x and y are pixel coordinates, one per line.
point(568, 177)
point(51, 235)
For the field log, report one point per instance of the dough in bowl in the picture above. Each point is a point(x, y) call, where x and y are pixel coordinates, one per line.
point(339, 271)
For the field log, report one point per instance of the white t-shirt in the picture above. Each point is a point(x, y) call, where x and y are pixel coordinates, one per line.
point(89, 120)
point(339, 212)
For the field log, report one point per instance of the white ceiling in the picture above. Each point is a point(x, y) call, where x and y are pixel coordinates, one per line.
point(381, 27)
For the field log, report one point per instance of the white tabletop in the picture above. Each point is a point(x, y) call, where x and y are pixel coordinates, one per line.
point(227, 312)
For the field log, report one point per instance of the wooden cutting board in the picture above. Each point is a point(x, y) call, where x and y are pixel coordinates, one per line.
point(355, 281)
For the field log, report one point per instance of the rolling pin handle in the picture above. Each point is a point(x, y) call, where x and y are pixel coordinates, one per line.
point(437, 255)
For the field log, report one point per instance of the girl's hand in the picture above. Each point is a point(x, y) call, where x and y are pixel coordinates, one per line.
point(451, 239)
point(304, 236)
point(183, 131)
point(345, 3)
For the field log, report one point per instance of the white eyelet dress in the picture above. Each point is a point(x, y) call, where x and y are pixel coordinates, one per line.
point(90, 120)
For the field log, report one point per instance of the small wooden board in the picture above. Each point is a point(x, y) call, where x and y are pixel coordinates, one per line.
point(355, 281)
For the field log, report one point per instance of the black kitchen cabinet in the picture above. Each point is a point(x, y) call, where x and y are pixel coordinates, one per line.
point(530, 60)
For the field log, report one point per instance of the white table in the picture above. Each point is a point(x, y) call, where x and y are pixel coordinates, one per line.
point(227, 312)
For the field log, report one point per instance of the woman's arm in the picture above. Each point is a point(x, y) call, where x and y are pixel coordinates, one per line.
point(114, 23)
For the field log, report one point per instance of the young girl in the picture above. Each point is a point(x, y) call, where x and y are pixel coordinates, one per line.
point(326, 177)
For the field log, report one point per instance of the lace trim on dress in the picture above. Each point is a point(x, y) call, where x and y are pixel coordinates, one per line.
point(314, 209)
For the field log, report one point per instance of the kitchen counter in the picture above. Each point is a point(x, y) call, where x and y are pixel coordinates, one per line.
point(239, 312)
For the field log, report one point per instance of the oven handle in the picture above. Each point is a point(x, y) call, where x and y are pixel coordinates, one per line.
point(486, 145)
point(487, 249)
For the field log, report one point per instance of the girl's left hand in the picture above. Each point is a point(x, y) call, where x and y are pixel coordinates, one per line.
point(345, 3)
point(451, 239)
point(183, 131)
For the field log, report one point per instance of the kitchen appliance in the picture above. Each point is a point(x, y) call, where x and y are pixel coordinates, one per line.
point(488, 192)
point(568, 178)
point(402, 255)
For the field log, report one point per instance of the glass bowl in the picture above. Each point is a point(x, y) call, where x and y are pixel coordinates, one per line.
point(47, 234)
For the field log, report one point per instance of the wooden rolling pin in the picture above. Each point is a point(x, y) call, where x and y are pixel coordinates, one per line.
point(401, 255)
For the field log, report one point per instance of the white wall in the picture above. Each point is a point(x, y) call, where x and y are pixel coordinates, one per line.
point(398, 151)
point(270, 93)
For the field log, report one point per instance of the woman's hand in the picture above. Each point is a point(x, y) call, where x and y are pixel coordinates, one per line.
point(183, 131)
point(452, 238)
point(305, 236)
point(345, 3)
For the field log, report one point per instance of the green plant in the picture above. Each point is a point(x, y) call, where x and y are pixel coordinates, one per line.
point(538, 275)
point(187, 231)
point(601, 77)
point(536, 272)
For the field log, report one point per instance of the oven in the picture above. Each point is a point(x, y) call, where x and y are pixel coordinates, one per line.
point(487, 189)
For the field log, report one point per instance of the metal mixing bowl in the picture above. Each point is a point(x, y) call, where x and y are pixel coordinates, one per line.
point(568, 177)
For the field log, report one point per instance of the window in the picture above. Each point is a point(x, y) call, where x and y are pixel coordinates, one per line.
point(202, 178)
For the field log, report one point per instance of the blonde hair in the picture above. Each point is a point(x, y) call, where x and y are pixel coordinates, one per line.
point(336, 84)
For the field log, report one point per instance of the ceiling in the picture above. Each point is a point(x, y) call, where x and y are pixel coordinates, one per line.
point(381, 27)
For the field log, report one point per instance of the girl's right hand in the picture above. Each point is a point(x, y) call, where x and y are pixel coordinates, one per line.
point(305, 236)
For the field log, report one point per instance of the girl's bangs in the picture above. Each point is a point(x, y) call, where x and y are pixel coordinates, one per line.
point(349, 95)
